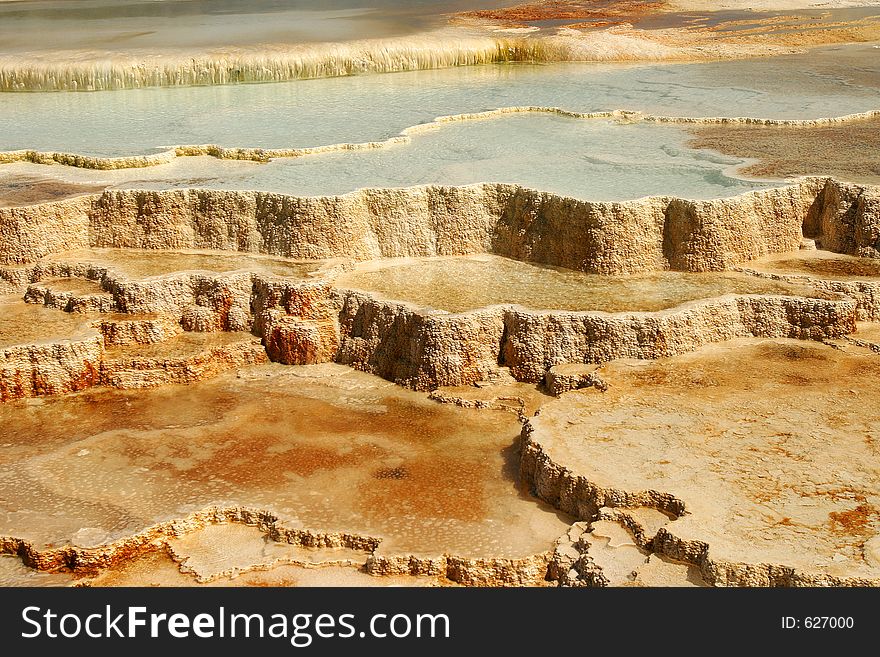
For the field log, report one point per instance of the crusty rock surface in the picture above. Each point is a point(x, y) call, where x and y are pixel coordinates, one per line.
point(573, 376)
point(631, 236)
point(421, 350)
point(133, 367)
point(847, 220)
point(762, 451)
point(425, 350)
point(50, 368)
point(311, 321)
point(137, 340)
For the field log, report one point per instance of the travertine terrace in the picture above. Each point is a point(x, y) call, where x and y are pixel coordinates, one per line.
point(597, 304)
point(152, 301)
point(592, 30)
point(735, 482)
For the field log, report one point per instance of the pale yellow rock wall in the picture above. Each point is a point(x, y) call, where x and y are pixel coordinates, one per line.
point(418, 350)
point(425, 351)
point(632, 236)
point(848, 220)
point(31, 232)
point(48, 369)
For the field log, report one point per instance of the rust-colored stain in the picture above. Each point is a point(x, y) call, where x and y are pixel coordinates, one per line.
point(254, 459)
point(391, 473)
point(433, 481)
point(854, 521)
point(435, 486)
point(599, 11)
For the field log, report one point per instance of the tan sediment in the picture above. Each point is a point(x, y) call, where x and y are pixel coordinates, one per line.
point(542, 10)
point(389, 464)
point(849, 150)
point(264, 155)
point(445, 283)
point(26, 190)
point(799, 518)
point(763, 39)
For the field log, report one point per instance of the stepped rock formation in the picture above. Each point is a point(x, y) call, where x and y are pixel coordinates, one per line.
point(135, 331)
point(313, 321)
point(609, 238)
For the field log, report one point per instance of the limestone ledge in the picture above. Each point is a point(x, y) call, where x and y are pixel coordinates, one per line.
point(69, 301)
point(866, 293)
point(304, 322)
point(84, 559)
point(32, 370)
point(264, 155)
point(123, 331)
point(87, 560)
point(528, 571)
point(642, 235)
point(307, 321)
point(149, 372)
point(424, 350)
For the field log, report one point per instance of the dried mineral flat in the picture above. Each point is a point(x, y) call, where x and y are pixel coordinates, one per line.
point(819, 264)
point(770, 446)
point(446, 283)
point(324, 447)
point(142, 263)
point(868, 331)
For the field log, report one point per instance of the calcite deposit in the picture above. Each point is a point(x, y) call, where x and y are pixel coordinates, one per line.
point(742, 478)
point(308, 321)
point(161, 309)
point(537, 31)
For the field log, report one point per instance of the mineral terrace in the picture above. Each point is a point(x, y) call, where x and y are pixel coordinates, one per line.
point(241, 387)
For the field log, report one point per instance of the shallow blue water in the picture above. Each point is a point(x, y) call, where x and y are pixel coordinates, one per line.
point(588, 159)
point(828, 82)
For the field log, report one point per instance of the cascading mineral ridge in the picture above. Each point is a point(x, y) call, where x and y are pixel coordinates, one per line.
point(200, 288)
point(424, 351)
